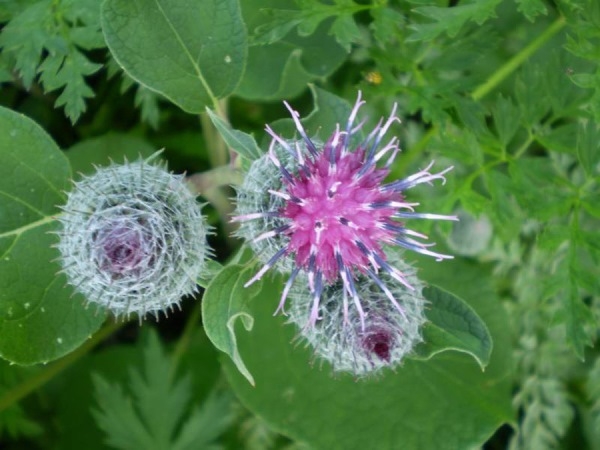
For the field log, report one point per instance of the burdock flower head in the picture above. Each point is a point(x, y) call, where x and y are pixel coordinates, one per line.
point(133, 239)
point(387, 335)
point(329, 211)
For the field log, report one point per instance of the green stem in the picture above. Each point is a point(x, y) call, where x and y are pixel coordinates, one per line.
point(215, 145)
point(491, 83)
point(39, 379)
point(512, 64)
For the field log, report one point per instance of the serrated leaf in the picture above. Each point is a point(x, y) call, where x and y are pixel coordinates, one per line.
point(577, 317)
point(446, 402)
point(346, 31)
point(530, 176)
point(45, 38)
point(453, 326)
point(386, 24)
point(450, 20)
point(191, 52)
point(281, 70)
point(561, 139)
point(506, 118)
point(238, 141)
point(40, 319)
point(154, 412)
point(588, 148)
point(225, 302)
point(532, 8)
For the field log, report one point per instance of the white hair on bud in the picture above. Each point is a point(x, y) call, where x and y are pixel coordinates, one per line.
point(340, 337)
point(133, 239)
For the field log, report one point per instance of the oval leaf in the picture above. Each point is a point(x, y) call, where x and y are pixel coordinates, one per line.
point(224, 302)
point(192, 52)
point(40, 320)
point(453, 325)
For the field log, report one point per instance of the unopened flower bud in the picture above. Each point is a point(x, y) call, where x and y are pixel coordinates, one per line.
point(133, 239)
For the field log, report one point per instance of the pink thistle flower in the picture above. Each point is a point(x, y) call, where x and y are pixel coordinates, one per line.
point(335, 212)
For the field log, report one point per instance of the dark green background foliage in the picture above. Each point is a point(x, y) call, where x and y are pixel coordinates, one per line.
point(506, 91)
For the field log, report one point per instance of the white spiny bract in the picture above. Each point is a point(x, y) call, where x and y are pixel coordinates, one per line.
point(324, 210)
point(133, 239)
point(387, 335)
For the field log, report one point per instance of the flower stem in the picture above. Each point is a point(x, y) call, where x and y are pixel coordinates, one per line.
point(512, 64)
point(40, 378)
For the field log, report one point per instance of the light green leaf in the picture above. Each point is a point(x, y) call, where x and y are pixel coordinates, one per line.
point(445, 402)
point(155, 413)
point(506, 118)
point(240, 142)
point(192, 52)
point(588, 148)
point(532, 8)
point(450, 20)
point(213, 268)
point(453, 326)
point(40, 319)
point(224, 302)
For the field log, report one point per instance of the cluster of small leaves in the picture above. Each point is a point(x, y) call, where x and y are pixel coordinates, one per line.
point(47, 40)
point(584, 41)
point(154, 410)
point(308, 15)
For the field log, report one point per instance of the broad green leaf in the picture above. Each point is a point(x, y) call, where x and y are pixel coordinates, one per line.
point(240, 142)
point(40, 319)
point(192, 52)
point(445, 402)
point(225, 302)
point(100, 151)
point(453, 326)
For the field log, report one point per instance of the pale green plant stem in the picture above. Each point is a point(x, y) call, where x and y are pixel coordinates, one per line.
point(215, 145)
point(47, 373)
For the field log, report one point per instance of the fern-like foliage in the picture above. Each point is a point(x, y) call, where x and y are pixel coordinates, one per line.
point(46, 40)
point(154, 411)
point(307, 16)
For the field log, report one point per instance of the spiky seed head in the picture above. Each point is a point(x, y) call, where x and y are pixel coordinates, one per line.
point(329, 210)
point(133, 239)
point(382, 338)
